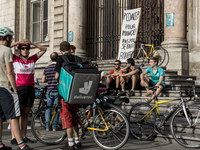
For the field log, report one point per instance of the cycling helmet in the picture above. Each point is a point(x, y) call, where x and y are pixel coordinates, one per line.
point(6, 31)
point(20, 45)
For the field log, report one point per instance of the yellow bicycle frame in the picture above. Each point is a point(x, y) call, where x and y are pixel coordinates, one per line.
point(151, 51)
point(146, 117)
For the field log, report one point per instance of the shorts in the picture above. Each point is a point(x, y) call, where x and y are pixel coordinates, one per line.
point(151, 83)
point(9, 104)
point(128, 85)
point(26, 95)
point(68, 114)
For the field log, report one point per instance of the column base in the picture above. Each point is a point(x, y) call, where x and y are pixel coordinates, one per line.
point(178, 55)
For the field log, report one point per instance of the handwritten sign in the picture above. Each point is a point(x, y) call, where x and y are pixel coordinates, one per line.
point(129, 33)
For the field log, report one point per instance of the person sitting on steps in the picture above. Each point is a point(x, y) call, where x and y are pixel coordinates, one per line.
point(157, 78)
point(112, 78)
point(131, 78)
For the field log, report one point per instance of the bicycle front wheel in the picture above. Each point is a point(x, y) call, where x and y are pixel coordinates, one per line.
point(141, 126)
point(39, 131)
point(184, 134)
point(118, 129)
point(159, 52)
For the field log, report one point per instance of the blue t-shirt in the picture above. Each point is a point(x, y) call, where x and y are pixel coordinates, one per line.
point(136, 67)
point(155, 77)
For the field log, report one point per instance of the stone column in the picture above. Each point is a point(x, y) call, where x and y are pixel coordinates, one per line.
point(77, 24)
point(175, 36)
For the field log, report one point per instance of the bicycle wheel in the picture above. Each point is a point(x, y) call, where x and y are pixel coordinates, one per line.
point(144, 129)
point(118, 129)
point(159, 52)
point(184, 134)
point(139, 56)
point(39, 131)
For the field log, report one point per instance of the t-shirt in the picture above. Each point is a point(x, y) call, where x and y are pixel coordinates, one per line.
point(60, 61)
point(115, 71)
point(136, 67)
point(49, 72)
point(5, 57)
point(155, 77)
point(25, 70)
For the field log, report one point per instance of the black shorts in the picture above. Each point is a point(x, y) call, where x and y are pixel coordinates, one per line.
point(9, 104)
point(151, 83)
point(26, 95)
point(128, 85)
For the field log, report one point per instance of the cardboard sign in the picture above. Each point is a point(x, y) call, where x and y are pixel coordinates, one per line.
point(129, 33)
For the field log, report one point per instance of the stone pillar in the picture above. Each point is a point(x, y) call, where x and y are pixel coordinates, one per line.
point(77, 23)
point(194, 38)
point(175, 37)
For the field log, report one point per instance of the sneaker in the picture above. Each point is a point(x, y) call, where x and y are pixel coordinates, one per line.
point(5, 148)
point(131, 93)
point(67, 147)
point(47, 129)
point(14, 142)
point(54, 130)
point(27, 140)
point(122, 93)
point(78, 144)
point(106, 93)
point(26, 148)
point(9, 127)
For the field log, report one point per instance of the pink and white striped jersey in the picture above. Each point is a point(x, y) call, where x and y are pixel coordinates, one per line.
point(24, 71)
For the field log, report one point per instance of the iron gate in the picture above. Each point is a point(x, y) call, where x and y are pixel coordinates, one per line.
point(104, 21)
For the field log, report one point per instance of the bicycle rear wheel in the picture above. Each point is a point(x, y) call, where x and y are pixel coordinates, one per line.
point(117, 134)
point(159, 52)
point(144, 129)
point(184, 134)
point(39, 130)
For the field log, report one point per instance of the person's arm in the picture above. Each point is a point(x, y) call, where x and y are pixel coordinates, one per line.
point(42, 48)
point(160, 81)
point(11, 75)
point(142, 75)
point(130, 73)
point(57, 77)
point(118, 73)
point(18, 42)
point(44, 79)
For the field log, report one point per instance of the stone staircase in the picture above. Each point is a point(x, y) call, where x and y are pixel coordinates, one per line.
point(174, 84)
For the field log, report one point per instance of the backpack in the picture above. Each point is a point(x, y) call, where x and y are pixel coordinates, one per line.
point(78, 81)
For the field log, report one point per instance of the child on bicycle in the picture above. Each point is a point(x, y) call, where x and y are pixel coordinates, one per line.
point(157, 78)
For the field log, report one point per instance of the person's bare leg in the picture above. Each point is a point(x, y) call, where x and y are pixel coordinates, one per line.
point(70, 136)
point(24, 120)
point(75, 131)
point(157, 93)
point(11, 130)
point(135, 78)
point(108, 80)
point(16, 129)
point(122, 82)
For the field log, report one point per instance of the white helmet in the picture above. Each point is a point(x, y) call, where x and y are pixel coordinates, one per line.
point(6, 31)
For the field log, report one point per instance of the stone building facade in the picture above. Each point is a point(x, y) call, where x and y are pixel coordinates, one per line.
point(49, 21)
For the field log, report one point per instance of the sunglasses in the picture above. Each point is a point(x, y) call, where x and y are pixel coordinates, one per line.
point(116, 64)
point(23, 48)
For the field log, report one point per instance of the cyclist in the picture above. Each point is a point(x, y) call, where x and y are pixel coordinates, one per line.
point(9, 101)
point(52, 90)
point(68, 113)
point(112, 78)
point(24, 67)
point(157, 78)
point(131, 78)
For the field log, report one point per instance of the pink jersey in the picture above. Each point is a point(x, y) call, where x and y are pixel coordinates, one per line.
point(24, 71)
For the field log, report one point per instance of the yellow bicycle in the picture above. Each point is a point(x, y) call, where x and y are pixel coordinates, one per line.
point(146, 122)
point(146, 54)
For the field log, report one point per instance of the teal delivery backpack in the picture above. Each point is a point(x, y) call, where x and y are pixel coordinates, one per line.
point(78, 82)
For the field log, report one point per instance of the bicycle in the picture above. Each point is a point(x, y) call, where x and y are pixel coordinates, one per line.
point(157, 51)
point(145, 120)
point(109, 126)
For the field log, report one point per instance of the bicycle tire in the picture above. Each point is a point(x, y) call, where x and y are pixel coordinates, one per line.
point(159, 52)
point(139, 54)
point(139, 129)
point(182, 132)
point(40, 133)
point(118, 132)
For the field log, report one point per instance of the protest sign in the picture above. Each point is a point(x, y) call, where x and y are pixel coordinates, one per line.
point(128, 33)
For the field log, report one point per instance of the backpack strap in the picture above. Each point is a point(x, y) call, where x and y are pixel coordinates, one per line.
point(64, 58)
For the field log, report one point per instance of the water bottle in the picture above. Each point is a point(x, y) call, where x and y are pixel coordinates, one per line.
point(169, 111)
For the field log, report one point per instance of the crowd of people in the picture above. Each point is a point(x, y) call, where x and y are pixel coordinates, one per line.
point(17, 87)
